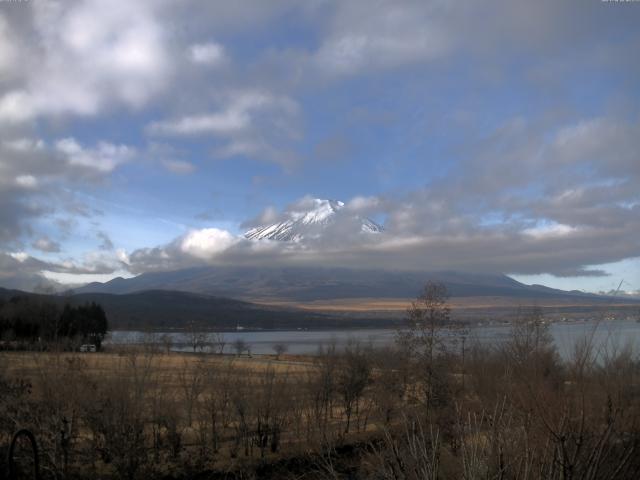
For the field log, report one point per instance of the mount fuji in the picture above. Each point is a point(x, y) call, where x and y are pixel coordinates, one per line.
point(323, 286)
point(311, 222)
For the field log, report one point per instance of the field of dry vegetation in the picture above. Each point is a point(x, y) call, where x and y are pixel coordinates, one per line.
point(422, 409)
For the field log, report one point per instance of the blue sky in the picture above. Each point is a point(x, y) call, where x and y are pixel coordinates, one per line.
point(501, 136)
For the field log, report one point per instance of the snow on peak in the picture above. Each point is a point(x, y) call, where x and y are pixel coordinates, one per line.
point(309, 220)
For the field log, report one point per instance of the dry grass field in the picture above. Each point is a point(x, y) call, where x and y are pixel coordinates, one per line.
point(168, 411)
point(486, 303)
point(411, 412)
point(21, 364)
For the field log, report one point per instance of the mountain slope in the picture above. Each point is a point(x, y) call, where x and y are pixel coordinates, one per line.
point(311, 222)
point(302, 284)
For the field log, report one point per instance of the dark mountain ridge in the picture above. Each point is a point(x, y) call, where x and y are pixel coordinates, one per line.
point(303, 284)
point(163, 309)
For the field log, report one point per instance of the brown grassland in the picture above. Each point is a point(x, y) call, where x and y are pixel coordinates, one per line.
point(432, 406)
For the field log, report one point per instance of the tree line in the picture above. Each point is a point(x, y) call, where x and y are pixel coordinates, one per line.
point(26, 319)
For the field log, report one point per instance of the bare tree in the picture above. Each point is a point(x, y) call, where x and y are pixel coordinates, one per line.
point(167, 343)
point(191, 379)
point(218, 390)
point(271, 410)
point(197, 338)
point(423, 336)
point(279, 348)
point(530, 348)
point(115, 414)
point(391, 382)
point(218, 342)
point(353, 377)
point(240, 346)
point(411, 454)
point(321, 385)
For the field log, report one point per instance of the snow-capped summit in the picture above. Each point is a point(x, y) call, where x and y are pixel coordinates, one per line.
point(310, 222)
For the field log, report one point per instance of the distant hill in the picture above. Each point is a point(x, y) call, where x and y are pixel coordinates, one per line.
point(161, 309)
point(332, 298)
point(303, 284)
point(173, 309)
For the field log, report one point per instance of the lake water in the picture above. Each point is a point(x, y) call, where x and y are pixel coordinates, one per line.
point(607, 334)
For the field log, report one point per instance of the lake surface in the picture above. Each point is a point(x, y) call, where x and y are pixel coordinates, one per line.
point(607, 334)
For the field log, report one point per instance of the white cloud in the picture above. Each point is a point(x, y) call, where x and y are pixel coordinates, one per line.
point(27, 181)
point(104, 158)
point(82, 278)
point(45, 244)
point(224, 122)
point(237, 114)
point(207, 243)
point(366, 36)
point(122, 256)
point(547, 230)
point(363, 204)
point(24, 144)
point(207, 53)
point(16, 107)
point(255, 123)
point(349, 53)
point(604, 142)
point(20, 256)
point(87, 55)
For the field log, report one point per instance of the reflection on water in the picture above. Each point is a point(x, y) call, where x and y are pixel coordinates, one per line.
point(608, 334)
